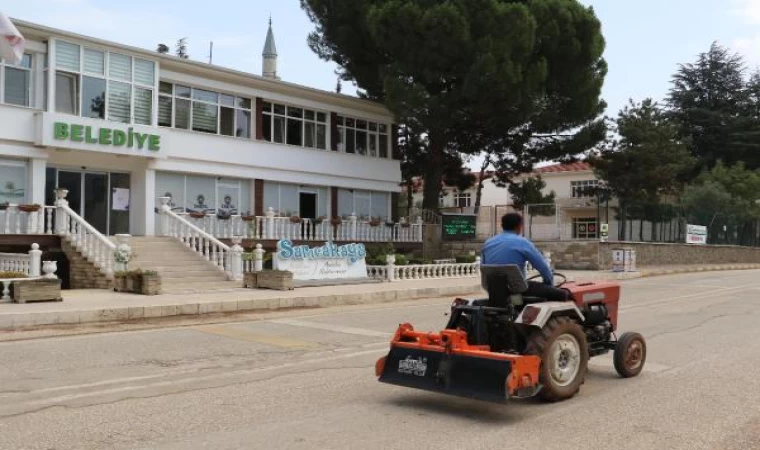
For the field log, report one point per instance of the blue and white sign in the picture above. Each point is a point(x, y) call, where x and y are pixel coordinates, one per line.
point(327, 262)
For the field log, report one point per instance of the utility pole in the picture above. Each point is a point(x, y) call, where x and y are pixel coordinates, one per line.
point(211, 52)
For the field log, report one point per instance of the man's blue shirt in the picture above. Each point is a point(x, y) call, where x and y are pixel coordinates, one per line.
point(510, 248)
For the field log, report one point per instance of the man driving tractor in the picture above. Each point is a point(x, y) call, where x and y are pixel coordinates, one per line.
point(510, 247)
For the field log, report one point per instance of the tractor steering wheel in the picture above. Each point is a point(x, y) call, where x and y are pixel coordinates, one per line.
point(556, 274)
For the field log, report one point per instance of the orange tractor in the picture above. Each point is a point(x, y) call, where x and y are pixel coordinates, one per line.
point(509, 345)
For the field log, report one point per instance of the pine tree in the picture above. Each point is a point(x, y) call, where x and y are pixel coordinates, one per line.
point(181, 49)
point(717, 109)
point(163, 49)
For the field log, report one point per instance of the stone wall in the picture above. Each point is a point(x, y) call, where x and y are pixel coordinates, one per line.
point(572, 255)
point(598, 256)
point(82, 273)
point(680, 254)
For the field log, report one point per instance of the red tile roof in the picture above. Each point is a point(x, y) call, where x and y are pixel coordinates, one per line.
point(580, 166)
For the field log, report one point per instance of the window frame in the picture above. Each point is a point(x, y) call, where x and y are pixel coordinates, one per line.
point(467, 196)
point(586, 234)
point(219, 105)
point(577, 187)
point(4, 65)
point(133, 83)
point(324, 123)
point(372, 130)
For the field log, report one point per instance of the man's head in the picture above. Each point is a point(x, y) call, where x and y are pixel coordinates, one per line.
point(512, 223)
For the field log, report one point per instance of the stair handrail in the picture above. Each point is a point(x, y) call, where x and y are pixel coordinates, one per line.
point(93, 245)
point(228, 259)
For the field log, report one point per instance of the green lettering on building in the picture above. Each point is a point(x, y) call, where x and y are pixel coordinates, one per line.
point(106, 136)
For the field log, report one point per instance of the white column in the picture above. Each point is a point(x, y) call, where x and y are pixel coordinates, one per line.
point(51, 76)
point(36, 181)
point(259, 261)
point(143, 217)
point(35, 261)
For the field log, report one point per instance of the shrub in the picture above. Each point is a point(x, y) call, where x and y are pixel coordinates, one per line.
point(12, 275)
point(465, 259)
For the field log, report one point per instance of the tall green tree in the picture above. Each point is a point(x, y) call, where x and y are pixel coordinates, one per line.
point(717, 109)
point(524, 74)
point(530, 191)
point(726, 196)
point(647, 161)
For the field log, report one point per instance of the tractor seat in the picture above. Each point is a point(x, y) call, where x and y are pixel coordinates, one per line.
point(505, 285)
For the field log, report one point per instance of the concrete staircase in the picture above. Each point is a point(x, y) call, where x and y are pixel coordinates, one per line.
point(182, 271)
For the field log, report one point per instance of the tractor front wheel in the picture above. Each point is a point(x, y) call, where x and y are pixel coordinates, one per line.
point(563, 350)
point(630, 355)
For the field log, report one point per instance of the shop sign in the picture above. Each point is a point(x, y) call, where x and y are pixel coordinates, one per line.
point(696, 234)
point(327, 262)
point(106, 136)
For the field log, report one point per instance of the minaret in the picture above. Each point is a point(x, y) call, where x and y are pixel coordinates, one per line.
point(269, 65)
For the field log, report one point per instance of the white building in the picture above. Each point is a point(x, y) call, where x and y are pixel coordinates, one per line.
point(120, 127)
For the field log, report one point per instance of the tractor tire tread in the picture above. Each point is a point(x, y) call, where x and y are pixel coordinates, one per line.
point(538, 344)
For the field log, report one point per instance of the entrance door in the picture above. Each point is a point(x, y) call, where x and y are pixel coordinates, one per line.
point(89, 197)
point(96, 201)
point(308, 205)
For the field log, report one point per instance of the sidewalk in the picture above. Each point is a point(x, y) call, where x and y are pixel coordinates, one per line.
point(97, 306)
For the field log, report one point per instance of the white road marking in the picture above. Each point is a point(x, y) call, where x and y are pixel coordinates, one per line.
point(330, 327)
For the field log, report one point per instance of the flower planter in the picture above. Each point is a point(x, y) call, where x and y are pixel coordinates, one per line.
point(336, 221)
point(374, 223)
point(29, 208)
point(275, 279)
point(39, 290)
point(248, 218)
point(250, 280)
point(196, 215)
point(150, 284)
point(295, 219)
point(4, 206)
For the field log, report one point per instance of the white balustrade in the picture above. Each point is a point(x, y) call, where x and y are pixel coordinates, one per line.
point(393, 272)
point(91, 243)
point(272, 227)
point(15, 221)
point(228, 259)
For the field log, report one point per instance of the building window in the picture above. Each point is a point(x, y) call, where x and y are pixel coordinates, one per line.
point(365, 204)
point(12, 182)
point(205, 111)
point(463, 199)
point(585, 228)
point(16, 82)
point(294, 126)
point(363, 137)
point(188, 193)
point(583, 189)
point(103, 85)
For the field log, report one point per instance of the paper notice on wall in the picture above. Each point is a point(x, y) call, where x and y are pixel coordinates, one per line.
point(120, 200)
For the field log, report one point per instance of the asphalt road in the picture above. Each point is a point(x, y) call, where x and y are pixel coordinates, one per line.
point(304, 380)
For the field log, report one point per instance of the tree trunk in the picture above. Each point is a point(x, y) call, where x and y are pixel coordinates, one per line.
point(641, 230)
point(479, 191)
point(409, 198)
point(621, 223)
point(433, 173)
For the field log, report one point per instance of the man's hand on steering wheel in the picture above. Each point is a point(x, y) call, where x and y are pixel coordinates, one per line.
point(556, 274)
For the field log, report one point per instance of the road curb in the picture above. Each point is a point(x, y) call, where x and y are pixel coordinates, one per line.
point(18, 321)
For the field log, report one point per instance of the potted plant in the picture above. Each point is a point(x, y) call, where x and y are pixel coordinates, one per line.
point(4, 206)
point(197, 214)
point(319, 220)
point(375, 222)
point(390, 224)
point(223, 214)
point(406, 225)
point(248, 217)
point(29, 208)
point(295, 219)
point(336, 221)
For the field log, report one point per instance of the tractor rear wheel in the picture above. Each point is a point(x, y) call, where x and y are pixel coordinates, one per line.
point(561, 345)
point(630, 355)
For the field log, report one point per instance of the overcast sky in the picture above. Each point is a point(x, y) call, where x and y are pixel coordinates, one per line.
point(646, 39)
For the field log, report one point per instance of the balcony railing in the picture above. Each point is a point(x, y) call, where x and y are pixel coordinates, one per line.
point(273, 227)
